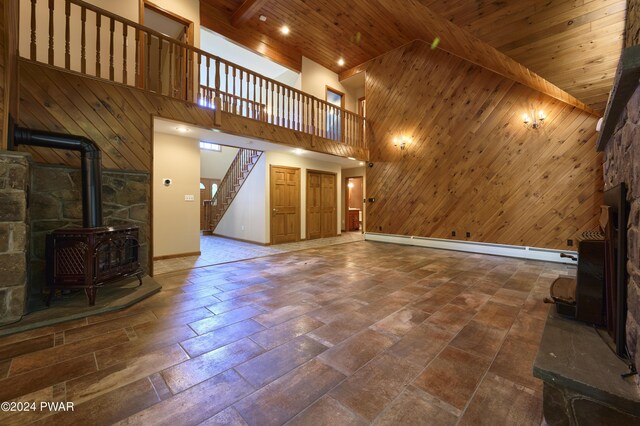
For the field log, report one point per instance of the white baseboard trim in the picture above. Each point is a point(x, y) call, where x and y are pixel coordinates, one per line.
point(522, 252)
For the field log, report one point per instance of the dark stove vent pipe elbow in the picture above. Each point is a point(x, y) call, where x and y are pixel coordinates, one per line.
point(90, 157)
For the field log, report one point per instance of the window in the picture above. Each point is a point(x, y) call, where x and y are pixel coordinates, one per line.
point(334, 119)
point(210, 146)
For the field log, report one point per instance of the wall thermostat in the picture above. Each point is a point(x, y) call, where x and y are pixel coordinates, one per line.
point(167, 181)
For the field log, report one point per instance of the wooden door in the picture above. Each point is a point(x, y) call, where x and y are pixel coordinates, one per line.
point(328, 205)
point(314, 206)
point(321, 205)
point(285, 204)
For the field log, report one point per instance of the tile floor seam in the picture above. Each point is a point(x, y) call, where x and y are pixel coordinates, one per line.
point(417, 375)
point(475, 390)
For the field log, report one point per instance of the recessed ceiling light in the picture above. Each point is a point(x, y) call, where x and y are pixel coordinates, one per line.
point(341, 62)
point(351, 158)
point(298, 151)
point(262, 18)
point(284, 30)
point(183, 129)
point(362, 163)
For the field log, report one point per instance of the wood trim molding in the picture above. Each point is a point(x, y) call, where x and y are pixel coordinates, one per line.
point(175, 256)
point(242, 240)
point(328, 88)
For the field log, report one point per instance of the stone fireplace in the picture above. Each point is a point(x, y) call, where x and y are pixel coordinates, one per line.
point(36, 199)
point(622, 164)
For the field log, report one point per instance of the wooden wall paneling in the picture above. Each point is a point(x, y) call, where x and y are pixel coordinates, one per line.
point(119, 118)
point(92, 112)
point(495, 178)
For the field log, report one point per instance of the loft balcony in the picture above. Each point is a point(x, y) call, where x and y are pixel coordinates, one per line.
point(82, 39)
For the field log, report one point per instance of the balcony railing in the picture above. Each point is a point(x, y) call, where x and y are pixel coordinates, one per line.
point(80, 37)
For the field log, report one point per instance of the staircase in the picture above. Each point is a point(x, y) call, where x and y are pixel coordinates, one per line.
point(230, 186)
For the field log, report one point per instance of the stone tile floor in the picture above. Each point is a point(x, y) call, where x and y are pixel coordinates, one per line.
point(216, 250)
point(363, 333)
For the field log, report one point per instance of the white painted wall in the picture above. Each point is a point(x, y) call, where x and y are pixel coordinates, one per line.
point(176, 222)
point(315, 78)
point(248, 216)
point(214, 164)
point(188, 9)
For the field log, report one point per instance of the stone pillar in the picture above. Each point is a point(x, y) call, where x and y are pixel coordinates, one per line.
point(15, 170)
point(622, 164)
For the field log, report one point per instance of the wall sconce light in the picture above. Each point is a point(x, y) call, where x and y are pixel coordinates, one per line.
point(534, 121)
point(401, 142)
point(350, 185)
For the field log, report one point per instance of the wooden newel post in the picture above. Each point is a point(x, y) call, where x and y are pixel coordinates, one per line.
point(217, 102)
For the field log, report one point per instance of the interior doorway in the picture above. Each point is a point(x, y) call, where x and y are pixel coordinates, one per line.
point(169, 69)
point(208, 189)
point(285, 204)
point(322, 199)
point(354, 203)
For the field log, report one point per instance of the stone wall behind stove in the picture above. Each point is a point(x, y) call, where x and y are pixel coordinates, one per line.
point(56, 203)
point(14, 231)
point(622, 164)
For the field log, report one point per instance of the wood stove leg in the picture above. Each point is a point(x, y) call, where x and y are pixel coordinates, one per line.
point(91, 295)
point(139, 279)
point(47, 299)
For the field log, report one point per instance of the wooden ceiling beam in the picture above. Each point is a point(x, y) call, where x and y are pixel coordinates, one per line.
point(246, 11)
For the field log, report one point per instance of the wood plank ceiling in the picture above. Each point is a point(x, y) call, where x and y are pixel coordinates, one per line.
point(573, 44)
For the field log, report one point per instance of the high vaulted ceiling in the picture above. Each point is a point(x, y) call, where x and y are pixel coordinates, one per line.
point(572, 44)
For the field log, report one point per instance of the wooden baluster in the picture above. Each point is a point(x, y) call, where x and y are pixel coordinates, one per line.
point(313, 122)
point(98, 26)
point(125, 30)
point(279, 114)
point(241, 112)
point(198, 69)
point(261, 105)
point(189, 76)
point(33, 30)
point(136, 60)
point(286, 95)
point(67, 35)
point(256, 106)
point(147, 63)
point(234, 99)
point(160, 45)
point(112, 27)
point(83, 41)
point(172, 88)
point(51, 6)
point(226, 85)
point(208, 84)
point(181, 71)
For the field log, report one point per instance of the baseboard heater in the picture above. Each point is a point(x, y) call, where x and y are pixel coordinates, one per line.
point(522, 252)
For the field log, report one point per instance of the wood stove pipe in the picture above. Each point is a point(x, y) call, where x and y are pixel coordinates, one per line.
point(90, 156)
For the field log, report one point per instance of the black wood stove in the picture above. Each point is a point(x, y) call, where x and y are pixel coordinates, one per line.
point(94, 255)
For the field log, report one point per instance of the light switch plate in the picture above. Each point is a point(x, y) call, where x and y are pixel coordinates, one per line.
point(189, 197)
